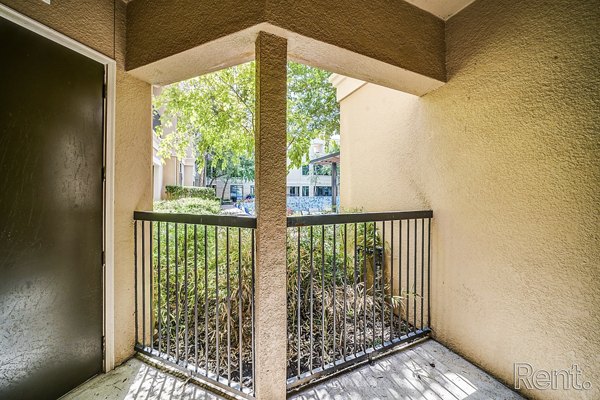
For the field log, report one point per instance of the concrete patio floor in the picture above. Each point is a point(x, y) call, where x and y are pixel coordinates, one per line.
point(137, 380)
point(426, 370)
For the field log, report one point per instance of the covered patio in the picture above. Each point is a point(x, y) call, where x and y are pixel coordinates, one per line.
point(470, 149)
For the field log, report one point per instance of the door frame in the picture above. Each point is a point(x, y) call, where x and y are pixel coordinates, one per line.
point(108, 325)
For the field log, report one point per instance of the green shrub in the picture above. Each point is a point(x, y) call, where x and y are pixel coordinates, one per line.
point(188, 205)
point(178, 192)
point(207, 289)
point(210, 290)
point(199, 284)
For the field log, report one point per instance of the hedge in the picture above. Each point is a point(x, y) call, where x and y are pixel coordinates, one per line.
point(188, 206)
point(178, 192)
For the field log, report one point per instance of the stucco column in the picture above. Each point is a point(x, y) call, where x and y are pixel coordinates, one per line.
point(271, 171)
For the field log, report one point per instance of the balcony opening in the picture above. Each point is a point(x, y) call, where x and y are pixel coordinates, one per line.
point(356, 288)
point(195, 252)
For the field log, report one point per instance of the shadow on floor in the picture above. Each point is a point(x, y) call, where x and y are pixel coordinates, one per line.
point(426, 370)
point(135, 380)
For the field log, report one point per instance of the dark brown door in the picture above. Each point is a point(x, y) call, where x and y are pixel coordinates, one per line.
point(51, 157)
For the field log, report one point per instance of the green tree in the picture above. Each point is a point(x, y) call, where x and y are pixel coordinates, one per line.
point(214, 113)
point(243, 169)
point(313, 111)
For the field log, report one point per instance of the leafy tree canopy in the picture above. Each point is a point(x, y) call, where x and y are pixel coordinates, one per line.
point(214, 113)
point(242, 168)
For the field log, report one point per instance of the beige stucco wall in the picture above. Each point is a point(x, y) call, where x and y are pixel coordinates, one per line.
point(160, 28)
point(133, 191)
point(372, 128)
point(169, 173)
point(101, 26)
point(507, 156)
point(394, 32)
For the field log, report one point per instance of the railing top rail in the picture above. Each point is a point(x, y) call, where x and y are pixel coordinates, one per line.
point(295, 221)
point(330, 219)
point(215, 220)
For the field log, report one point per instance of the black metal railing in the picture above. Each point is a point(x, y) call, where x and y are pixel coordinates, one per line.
point(194, 295)
point(358, 284)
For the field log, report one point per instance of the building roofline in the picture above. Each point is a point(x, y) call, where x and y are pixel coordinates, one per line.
point(328, 158)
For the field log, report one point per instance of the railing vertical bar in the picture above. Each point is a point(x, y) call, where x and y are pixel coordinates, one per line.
point(168, 300)
point(429, 273)
point(323, 333)
point(422, 266)
point(158, 291)
point(206, 361)
point(415, 280)
point(252, 233)
point(365, 286)
point(345, 286)
point(298, 318)
point(196, 296)
point(399, 299)
point(177, 317)
point(217, 331)
point(185, 293)
point(354, 281)
point(240, 321)
point(311, 299)
point(407, 273)
point(334, 290)
point(227, 258)
point(373, 290)
point(143, 283)
point(135, 278)
point(392, 330)
point(400, 302)
point(151, 299)
point(382, 281)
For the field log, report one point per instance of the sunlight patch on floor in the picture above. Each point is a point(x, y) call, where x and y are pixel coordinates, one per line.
point(135, 380)
point(426, 370)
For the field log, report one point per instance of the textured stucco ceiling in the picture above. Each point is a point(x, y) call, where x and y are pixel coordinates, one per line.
point(441, 8)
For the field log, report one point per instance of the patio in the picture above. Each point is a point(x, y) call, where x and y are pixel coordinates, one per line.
point(425, 370)
point(485, 113)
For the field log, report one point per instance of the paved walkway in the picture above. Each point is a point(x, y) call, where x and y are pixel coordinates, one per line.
point(426, 370)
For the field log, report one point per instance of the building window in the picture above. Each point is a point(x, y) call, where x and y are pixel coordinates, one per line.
point(236, 192)
point(155, 119)
point(305, 170)
point(322, 190)
point(305, 191)
point(293, 191)
point(322, 169)
point(251, 190)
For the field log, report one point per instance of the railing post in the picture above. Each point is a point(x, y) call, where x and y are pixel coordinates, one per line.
point(271, 171)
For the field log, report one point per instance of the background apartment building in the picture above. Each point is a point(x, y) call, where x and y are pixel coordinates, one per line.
point(307, 181)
